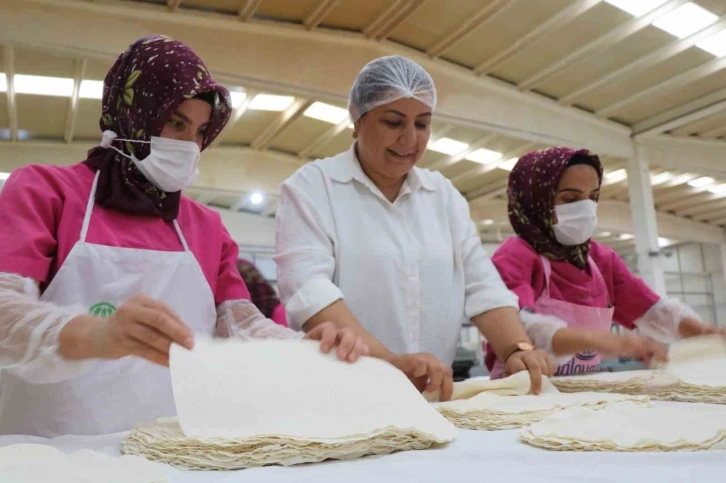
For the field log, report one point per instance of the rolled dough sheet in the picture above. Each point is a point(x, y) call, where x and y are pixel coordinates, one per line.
point(699, 361)
point(243, 404)
point(507, 403)
point(631, 427)
point(36, 463)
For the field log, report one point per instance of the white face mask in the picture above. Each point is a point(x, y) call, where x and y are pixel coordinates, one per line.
point(576, 222)
point(171, 166)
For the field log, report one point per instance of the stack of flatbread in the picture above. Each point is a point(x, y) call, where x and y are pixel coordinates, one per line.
point(37, 463)
point(507, 403)
point(248, 404)
point(631, 427)
point(696, 372)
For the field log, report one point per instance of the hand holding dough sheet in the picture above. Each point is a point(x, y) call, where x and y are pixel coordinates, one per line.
point(243, 404)
point(36, 463)
point(629, 427)
point(507, 403)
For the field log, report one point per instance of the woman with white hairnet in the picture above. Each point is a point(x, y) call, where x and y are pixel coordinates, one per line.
point(371, 242)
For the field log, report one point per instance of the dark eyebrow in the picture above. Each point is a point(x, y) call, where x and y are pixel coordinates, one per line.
point(179, 114)
point(404, 115)
point(569, 190)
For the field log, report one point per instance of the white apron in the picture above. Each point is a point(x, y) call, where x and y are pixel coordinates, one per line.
point(114, 394)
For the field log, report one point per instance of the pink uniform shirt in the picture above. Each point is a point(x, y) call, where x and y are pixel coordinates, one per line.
point(522, 270)
point(41, 214)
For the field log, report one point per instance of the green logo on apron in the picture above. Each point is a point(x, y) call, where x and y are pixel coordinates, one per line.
point(102, 310)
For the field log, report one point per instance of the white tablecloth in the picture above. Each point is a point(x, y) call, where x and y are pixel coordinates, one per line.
point(475, 456)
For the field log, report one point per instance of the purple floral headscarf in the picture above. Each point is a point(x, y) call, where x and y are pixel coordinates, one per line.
point(532, 189)
point(148, 82)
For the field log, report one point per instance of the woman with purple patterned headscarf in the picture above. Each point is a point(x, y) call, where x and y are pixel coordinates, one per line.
point(107, 259)
point(571, 289)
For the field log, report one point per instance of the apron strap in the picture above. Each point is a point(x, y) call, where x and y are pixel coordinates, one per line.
point(181, 236)
point(597, 275)
point(548, 273)
point(89, 207)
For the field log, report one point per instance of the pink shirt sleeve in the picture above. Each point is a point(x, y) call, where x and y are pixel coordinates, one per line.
point(230, 285)
point(632, 298)
point(30, 206)
point(520, 268)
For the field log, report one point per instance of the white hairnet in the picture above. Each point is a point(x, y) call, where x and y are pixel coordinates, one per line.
point(389, 79)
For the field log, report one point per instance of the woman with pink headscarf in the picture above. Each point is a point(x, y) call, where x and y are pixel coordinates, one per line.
point(571, 289)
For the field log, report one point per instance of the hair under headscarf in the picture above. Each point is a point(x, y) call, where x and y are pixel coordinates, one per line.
point(148, 82)
point(532, 190)
point(263, 295)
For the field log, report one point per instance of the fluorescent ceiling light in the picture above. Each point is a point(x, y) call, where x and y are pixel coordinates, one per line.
point(685, 20)
point(483, 156)
point(257, 198)
point(487, 222)
point(661, 178)
point(636, 7)
point(448, 146)
point(91, 89)
point(605, 234)
point(3, 82)
point(509, 164)
point(718, 189)
point(626, 236)
point(325, 112)
point(4, 176)
point(616, 176)
point(237, 97)
point(701, 182)
point(683, 178)
point(43, 86)
point(271, 102)
point(664, 242)
point(715, 44)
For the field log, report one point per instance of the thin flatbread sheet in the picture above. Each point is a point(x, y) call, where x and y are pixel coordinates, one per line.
point(630, 427)
point(290, 399)
point(507, 403)
point(37, 463)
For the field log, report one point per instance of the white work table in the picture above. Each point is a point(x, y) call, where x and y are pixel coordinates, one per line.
point(475, 456)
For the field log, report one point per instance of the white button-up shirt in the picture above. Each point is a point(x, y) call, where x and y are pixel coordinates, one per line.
point(410, 271)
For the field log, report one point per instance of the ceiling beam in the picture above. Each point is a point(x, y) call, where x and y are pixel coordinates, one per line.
point(676, 193)
point(691, 155)
point(687, 201)
point(270, 208)
point(713, 216)
point(669, 50)
point(323, 139)
point(262, 54)
point(72, 114)
point(467, 26)
point(491, 190)
point(632, 26)
point(681, 110)
point(681, 80)
point(704, 205)
point(392, 18)
point(237, 114)
point(714, 133)
point(551, 25)
point(9, 65)
point(691, 118)
point(322, 9)
point(453, 159)
point(172, 5)
point(287, 117)
point(483, 169)
point(248, 9)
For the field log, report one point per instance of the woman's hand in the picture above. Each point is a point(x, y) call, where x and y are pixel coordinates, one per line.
point(537, 362)
point(426, 372)
point(142, 327)
point(349, 345)
point(693, 328)
point(628, 345)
